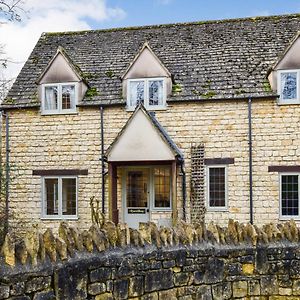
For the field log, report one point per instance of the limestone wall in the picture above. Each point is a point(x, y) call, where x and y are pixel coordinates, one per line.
point(73, 141)
point(52, 142)
point(186, 262)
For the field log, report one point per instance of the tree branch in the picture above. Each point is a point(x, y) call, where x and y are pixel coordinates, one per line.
point(12, 10)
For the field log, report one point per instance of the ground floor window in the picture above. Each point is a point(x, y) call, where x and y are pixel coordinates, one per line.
point(59, 197)
point(162, 187)
point(217, 187)
point(289, 195)
point(145, 183)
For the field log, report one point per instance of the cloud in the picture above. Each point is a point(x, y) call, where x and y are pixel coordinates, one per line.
point(51, 15)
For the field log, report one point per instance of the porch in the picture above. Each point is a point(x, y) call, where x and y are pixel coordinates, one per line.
point(142, 192)
point(142, 169)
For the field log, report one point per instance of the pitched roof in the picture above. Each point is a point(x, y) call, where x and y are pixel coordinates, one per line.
point(207, 60)
point(156, 125)
point(61, 50)
point(145, 46)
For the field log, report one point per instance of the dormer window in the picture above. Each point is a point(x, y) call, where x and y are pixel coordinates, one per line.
point(149, 91)
point(288, 86)
point(61, 85)
point(59, 98)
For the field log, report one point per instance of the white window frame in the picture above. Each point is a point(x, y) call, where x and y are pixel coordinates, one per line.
point(288, 217)
point(146, 93)
point(60, 215)
point(279, 87)
point(217, 208)
point(59, 109)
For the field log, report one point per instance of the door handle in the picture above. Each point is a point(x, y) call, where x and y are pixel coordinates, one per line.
point(147, 210)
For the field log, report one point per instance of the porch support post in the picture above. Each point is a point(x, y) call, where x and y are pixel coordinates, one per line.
point(114, 214)
point(174, 193)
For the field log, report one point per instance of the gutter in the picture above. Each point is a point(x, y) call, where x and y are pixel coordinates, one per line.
point(170, 100)
point(103, 173)
point(216, 100)
point(250, 158)
point(7, 171)
point(183, 176)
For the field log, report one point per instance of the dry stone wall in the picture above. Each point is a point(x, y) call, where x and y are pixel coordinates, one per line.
point(240, 261)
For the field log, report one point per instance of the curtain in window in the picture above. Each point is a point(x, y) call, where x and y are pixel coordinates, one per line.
point(155, 92)
point(51, 98)
point(51, 190)
point(289, 85)
point(136, 92)
point(68, 97)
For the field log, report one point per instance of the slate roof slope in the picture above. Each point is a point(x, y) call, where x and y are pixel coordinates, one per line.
point(208, 60)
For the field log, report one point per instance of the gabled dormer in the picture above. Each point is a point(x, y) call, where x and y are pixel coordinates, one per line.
point(146, 81)
point(60, 86)
point(285, 74)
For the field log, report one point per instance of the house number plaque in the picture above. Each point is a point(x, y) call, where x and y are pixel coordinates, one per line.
point(136, 211)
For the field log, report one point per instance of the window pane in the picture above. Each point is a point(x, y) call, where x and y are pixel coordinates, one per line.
point(51, 97)
point(288, 85)
point(68, 97)
point(217, 192)
point(136, 92)
point(69, 196)
point(289, 195)
point(155, 92)
point(51, 194)
point(162, 187)
point(136, 188)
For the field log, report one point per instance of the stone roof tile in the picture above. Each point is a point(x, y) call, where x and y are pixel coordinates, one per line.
point(209, 60)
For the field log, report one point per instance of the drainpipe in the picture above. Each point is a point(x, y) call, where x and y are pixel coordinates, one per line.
point(250, 158)
point(183, 177)
point(7, 172)
point(102, 160)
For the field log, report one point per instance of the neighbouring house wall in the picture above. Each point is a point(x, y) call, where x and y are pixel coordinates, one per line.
point(73, 142)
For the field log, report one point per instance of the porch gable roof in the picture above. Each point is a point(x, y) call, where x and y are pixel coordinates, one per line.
point(143, 138)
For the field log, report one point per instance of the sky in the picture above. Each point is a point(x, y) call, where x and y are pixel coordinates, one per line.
point(19, 38)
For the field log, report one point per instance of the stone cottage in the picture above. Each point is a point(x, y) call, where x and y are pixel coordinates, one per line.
point(194, 121)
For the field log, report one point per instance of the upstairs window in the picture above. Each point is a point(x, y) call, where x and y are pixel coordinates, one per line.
point(59, 98)
point(288, 86)
point(149, 91)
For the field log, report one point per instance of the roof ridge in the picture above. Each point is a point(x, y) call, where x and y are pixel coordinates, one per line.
point(215, 21)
